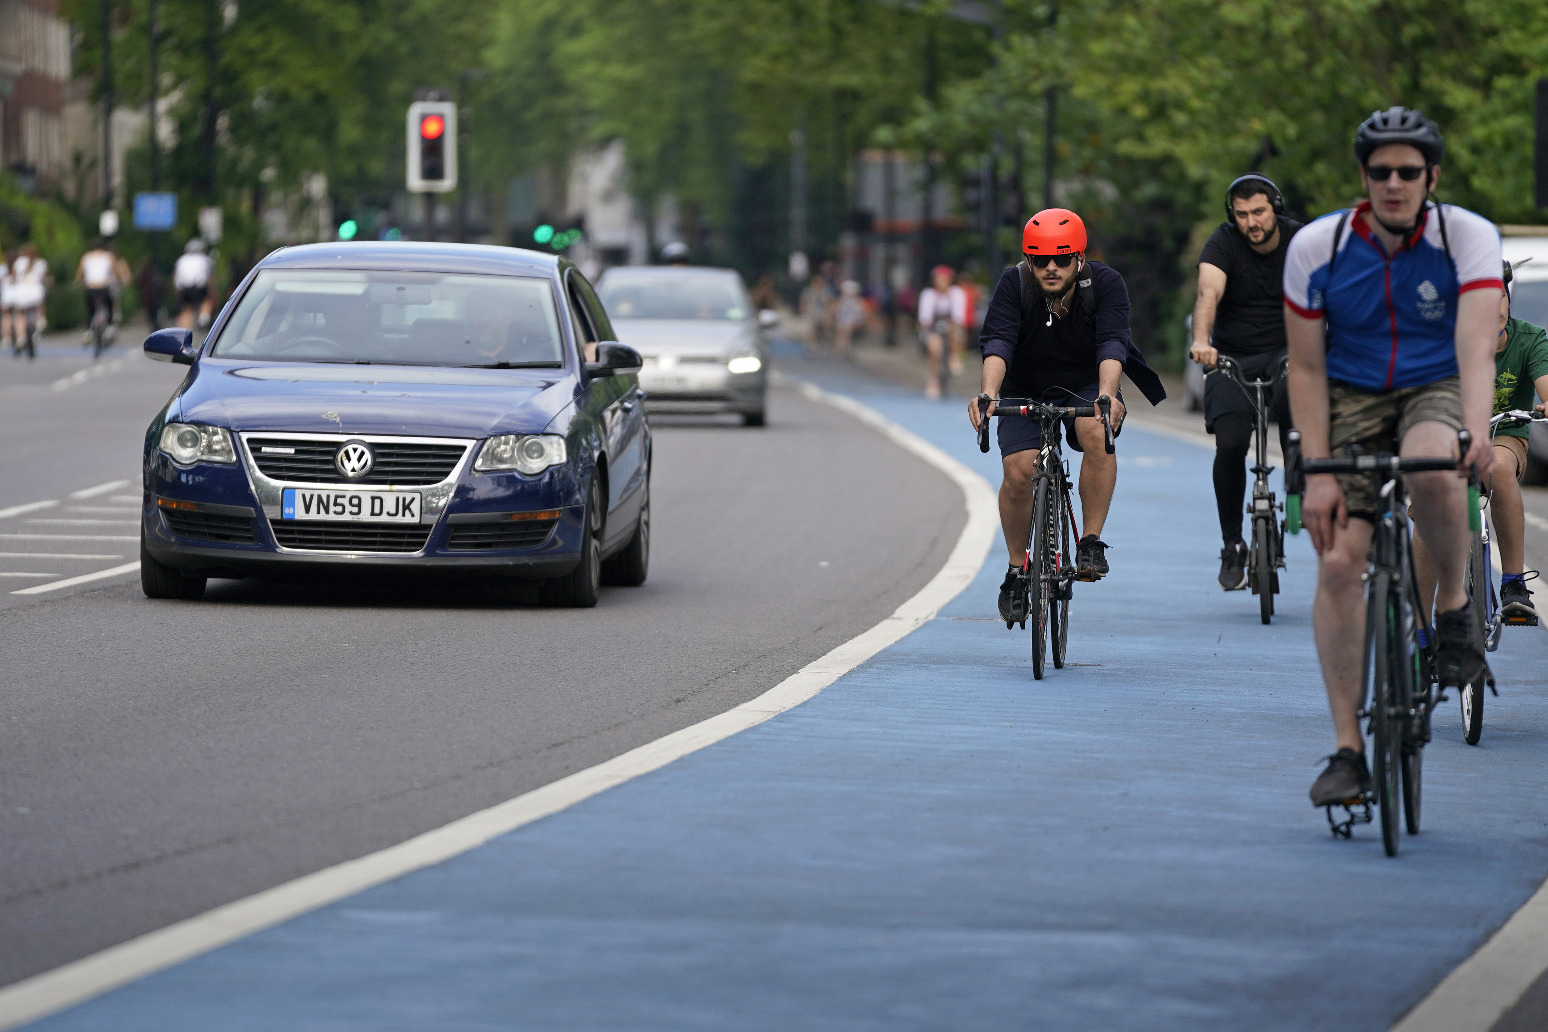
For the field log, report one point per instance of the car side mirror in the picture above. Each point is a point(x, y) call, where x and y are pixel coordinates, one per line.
point(768, 318)
point(173, 344)
point(614, 359)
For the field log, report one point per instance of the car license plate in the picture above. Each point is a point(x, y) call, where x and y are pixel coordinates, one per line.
point(375, 506)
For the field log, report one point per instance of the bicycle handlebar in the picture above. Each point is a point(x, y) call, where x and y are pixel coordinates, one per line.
point(1024, 408)
point(1516, 416)
point(1228, 365)
point(1390, 466)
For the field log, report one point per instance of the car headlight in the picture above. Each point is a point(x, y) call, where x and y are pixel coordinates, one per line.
point(744, 364)
point(525, 453)
point(188, 443)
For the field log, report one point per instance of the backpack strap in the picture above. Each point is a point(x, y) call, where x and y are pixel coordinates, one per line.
point(1338, 233)
point(1032, 295)
point(1440, 217)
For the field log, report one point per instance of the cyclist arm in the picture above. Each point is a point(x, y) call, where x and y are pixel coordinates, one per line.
point(1212, 284)
point(1322, 507)
point(1477, 331)
point(1541, 383)
point(1109, 373)
point(994, 376)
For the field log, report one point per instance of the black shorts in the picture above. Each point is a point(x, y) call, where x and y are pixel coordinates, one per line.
point(99, 297)
point(191, 297)
point(1017, 434)
point(1222, 396)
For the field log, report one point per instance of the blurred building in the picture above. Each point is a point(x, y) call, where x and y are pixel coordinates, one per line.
point(34, 71)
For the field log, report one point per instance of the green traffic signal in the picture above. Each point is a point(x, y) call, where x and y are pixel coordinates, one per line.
point(543, 234)
point(348, 228)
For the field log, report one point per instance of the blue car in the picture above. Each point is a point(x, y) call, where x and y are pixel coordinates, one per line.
point(401, 406)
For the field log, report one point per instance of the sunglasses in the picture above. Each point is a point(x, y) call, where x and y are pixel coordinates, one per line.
point(1382, 173)
point(1063, 261)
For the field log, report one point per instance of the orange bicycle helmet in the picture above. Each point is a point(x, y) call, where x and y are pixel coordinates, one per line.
point(1054, 231)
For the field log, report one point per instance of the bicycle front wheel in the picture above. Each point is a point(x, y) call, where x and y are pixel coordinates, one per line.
point(1263, 567)
point(1385, 728)
point(1063, 586)
point(1039, 581)
point(1478, 608)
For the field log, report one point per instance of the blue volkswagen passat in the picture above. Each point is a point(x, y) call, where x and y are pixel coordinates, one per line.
point(401, 406)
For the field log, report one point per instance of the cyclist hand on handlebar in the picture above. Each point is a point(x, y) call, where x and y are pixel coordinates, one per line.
point(1323, 508)
point(974, 403)
point(1205, 355)
point(1118, 411)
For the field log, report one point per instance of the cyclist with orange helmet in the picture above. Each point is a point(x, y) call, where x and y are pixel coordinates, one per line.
point(1057, 330)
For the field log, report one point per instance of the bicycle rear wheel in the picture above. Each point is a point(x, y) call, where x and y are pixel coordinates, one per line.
point(1038, 576)
point(1409, 715)
point(1263, 566)
point(1386, 735)
point(1472, 696)
point(1063, 586)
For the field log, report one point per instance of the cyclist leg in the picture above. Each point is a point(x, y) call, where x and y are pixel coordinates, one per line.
point(933, 347)
point(1338, 623)
point(1509, 519)
point(1019, 442)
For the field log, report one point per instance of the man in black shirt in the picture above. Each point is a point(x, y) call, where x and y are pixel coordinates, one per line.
point(1057, 330)
point(1241, 301)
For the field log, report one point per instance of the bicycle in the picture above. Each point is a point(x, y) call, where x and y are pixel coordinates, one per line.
point(1047, 581)
point(1398, 698)
point(1266, 554)
point(99, 333)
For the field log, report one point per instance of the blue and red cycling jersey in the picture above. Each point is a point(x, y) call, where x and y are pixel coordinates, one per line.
point(1391, 320)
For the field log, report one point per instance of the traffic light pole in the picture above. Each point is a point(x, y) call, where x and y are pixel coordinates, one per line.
point(429, 216)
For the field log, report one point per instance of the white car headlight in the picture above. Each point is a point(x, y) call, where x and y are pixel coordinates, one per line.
point(525, 453)
point(188, 443)
point(744, 364)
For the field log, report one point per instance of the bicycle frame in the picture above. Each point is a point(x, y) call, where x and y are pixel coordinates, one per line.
point(1266, 554)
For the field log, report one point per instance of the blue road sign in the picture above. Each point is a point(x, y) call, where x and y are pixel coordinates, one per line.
point(155, 210)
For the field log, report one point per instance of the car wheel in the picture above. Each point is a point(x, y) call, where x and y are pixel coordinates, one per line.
point(578, 588)
point(753, 418)
point(629, 567)
point(159, 580)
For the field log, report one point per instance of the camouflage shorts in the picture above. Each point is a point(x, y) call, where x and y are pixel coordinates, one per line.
point(1377, 423)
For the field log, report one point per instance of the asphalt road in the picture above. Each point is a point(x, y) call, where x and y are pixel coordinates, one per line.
point(158, 759)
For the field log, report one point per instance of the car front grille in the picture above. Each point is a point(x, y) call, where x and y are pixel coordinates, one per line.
point(351, 537)
point(209, 526)
point(495, 536)
point(397, 462)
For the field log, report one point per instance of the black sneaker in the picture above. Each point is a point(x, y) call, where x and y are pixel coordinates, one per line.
point(1516, 604)
point(1459, 649)
point(1013, 599)
point(1091, 558)
point(1345, 779)
point(1233, 567)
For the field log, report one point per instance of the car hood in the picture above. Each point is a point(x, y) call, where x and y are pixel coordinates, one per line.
point(406, 400)
point(652, 337)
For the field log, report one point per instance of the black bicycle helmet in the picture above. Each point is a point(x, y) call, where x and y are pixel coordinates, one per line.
point(1399, 125)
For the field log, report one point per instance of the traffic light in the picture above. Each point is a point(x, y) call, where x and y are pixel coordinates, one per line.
point(432, 146)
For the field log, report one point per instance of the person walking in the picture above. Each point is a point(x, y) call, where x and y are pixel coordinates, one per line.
point(1239, 313)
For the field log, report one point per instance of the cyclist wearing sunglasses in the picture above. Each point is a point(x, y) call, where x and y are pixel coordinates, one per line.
point(1390, 313)
point(1057, 330)
point(1239, 313)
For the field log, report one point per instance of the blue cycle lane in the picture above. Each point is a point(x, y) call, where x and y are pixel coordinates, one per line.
point(938, 841)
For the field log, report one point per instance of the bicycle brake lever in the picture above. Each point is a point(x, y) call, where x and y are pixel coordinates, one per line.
point(983, 422)
point(1105, 404)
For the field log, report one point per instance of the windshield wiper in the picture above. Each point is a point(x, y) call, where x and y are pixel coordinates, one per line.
point(516, 365)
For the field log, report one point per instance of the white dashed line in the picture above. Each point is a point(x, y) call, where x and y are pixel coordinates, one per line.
point(8, 573)
point(73, 537)
point(1537, 522)
point(121, 510)
point(57, 555)
point(17, 510)
point(70, 582)
point(80, 376)
point(90, 521)
point(100, 489)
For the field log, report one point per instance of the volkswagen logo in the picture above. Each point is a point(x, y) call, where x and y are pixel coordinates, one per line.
point(354, 459)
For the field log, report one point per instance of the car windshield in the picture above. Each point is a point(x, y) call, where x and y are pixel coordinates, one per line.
point(667, 295)
point(1529, 301)
point(395, 318)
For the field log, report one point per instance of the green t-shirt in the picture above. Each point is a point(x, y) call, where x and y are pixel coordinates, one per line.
point(1517, 368)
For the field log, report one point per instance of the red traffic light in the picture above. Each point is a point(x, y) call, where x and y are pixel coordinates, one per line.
point(431, 127)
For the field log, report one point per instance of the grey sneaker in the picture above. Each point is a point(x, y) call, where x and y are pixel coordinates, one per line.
point(1233, 567)
point(1345, 779)
point(1516, 604)
point(1459, 648)
point(1090, 558)
point(1013, 599)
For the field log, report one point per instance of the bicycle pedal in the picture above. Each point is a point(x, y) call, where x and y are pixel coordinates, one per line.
point(1518, 620)
point(1356, 811)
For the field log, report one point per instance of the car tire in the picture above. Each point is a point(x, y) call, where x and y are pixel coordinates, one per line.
point(578, 589)
point(629, 568)
point(754, 418)
point(158, 580)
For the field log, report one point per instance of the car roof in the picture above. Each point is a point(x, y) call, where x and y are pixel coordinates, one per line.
point(416, 255)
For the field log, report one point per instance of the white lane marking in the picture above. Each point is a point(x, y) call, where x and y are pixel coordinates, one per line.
point(1479, 992)
point(17, 510)
point(91, 372)
point(57, 555)
point(52, 991)
point(121, 510)
point(73, 537)
point(1536, 521)
point(7, 573)
point(127, 498)
point(85, 578)
point(100, 489)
